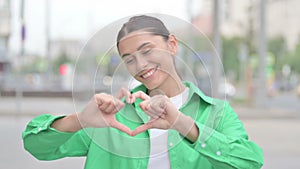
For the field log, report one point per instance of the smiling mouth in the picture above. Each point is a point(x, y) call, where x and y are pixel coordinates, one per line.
point(148, 73)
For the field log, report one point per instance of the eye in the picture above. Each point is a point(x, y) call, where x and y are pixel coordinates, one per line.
point(147, 51)
point(129, 59)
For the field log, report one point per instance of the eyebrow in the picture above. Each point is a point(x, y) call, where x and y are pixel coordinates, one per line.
point(139, 48)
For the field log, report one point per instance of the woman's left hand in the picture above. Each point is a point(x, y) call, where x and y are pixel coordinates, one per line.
point(163, 114)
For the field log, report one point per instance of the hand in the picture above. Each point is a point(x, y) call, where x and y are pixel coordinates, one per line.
point(163, 114)
point(101, 109)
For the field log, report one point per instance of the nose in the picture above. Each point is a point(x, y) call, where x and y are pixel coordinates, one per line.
point(141, 62)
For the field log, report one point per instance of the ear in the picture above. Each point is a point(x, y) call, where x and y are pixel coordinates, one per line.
point(172, 44)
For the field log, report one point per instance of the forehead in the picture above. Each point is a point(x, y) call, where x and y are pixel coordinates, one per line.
point(131, 42)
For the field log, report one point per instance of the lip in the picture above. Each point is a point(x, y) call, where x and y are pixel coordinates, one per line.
point(148, 73)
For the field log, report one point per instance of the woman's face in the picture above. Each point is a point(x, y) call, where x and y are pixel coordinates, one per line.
point(148, 57)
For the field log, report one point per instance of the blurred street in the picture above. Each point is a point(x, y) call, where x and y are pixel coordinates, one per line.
point(53, 50)
point(275, 128)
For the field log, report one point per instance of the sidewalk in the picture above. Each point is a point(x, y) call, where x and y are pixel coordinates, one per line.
point(246, 112)
point(33, 106)
point(275, 130)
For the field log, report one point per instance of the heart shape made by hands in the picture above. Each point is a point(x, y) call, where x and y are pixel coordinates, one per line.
point(156, 114)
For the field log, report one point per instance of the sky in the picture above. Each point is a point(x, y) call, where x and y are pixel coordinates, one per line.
point(80, 19)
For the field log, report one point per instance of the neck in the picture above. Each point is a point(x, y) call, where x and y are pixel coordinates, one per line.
point(171, 87)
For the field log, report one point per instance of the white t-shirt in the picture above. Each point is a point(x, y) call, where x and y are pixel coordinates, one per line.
point(159, 155)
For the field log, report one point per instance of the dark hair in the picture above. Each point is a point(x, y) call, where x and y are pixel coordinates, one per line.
point(148, 23)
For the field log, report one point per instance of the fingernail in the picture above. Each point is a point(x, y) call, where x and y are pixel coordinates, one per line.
point(131, 99)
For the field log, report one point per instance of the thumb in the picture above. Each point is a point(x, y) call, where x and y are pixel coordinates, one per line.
point(121, 127)
point(140, 95)
point(143, 128)
point(124, 92)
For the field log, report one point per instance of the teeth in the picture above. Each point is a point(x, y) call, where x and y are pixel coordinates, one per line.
point(148, 74)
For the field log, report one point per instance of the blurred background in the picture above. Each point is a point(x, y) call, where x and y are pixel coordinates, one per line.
point(257, 65)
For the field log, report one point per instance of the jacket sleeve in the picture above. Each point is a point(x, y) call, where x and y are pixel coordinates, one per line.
point(227, 146)
point(46, 143)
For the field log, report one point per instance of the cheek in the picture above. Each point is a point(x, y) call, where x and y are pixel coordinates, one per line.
point(131, 69)
point(162, 56)
point(166, 61)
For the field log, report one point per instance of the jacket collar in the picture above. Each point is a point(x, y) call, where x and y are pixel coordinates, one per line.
point(193, 90)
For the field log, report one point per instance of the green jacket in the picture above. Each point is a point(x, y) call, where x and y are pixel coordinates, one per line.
point(222, 142)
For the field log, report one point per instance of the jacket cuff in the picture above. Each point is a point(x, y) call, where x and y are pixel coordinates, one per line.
point(42, 123)
point(210, 143)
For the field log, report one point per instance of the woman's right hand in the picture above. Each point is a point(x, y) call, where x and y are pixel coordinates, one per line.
point(101, 109)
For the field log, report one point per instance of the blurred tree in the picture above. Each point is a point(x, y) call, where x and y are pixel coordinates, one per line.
point(37, 65)
point(230, 55)
point(250, 32)
point(277, 46)
point(294, 59)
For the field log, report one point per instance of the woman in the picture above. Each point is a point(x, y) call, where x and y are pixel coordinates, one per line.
point(163, 123)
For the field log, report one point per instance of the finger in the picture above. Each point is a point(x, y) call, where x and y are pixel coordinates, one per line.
point(124, 92)
point(106, 102)
point(142, 128)
point(154, 114)
point(151, 110)
point(119, 105)
point(146, 109)
point(148, 106)
point(157, 108)
point(141, 95)
point(152, 120)
point(145, 105)
point(111, 107)
point(163, 115)
point(98, 99)
point(121, 127)
point(103, 106)
point(102, 99)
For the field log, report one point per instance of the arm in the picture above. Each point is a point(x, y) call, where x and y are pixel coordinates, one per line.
point(47, 143)
point(216, 133)
point(186, 126)
point(48, 137)
point(164, 115)
point(227, 146)
point(67, 124)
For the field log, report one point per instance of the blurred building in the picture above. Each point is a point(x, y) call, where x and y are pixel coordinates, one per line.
point(239, 18)
point(283, 19)
point(68, 50)
point(235, 17)
point(4, 37)
point(68, 47)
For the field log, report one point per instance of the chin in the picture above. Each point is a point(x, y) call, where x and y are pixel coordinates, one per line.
point(151, 86)
point(153, 83)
